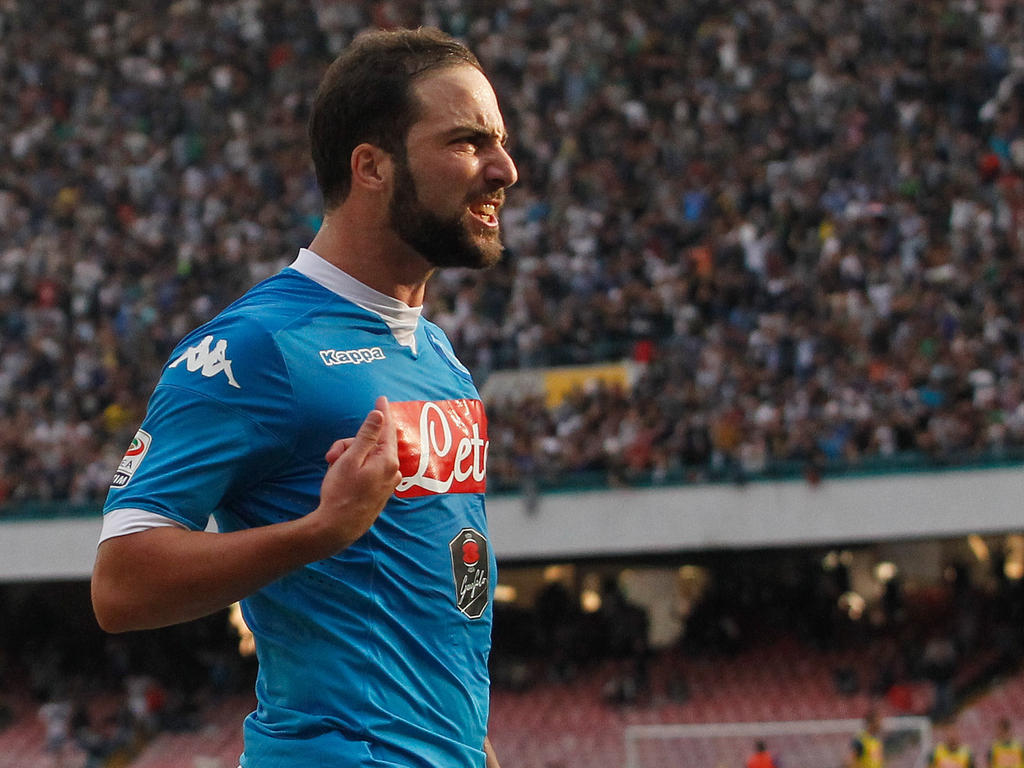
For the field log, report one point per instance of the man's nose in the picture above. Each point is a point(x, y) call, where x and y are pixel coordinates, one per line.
point(501, 169)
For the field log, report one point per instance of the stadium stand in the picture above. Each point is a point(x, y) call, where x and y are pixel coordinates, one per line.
point(793, 230)
point(549, 707)
point(803, 222)
point(216, 744)
point(573, 724)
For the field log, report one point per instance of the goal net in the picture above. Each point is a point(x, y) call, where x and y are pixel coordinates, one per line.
point(796, 744)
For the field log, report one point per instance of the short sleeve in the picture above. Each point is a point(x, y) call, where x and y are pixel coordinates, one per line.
point(214, 426)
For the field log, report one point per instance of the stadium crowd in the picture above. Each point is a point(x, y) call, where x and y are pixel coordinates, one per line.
point(804, 220)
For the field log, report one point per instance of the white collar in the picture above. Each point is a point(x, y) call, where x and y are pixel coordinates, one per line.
point(399, 316)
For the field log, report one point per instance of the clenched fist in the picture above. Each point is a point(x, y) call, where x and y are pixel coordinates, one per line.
point(361, 476)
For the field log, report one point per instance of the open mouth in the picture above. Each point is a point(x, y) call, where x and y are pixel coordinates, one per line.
point(485, 212)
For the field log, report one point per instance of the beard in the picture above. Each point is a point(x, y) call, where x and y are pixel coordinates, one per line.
point(443, 241)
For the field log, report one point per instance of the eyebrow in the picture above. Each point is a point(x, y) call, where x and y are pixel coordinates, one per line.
point(477, 131)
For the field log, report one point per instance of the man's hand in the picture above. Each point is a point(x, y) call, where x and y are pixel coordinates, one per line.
point(492, 759)
point(362, 475)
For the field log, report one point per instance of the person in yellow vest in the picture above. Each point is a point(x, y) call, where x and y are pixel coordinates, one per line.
point(951, 752)
point(1005, 751)
point(867, 750)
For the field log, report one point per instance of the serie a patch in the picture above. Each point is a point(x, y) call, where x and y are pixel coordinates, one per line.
point(132, 459)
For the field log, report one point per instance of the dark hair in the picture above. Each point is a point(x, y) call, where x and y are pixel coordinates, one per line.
point(366, 96)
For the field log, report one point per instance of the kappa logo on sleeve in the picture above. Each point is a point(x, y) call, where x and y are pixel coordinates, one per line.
point(208, 361)
point(132, 459)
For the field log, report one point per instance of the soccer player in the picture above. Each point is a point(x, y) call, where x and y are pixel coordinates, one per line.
point(950, 752)
point(1005, 751)
point(867, 750)
point(337, 441)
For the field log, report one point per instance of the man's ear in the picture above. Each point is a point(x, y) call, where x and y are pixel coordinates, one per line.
point(371, 167)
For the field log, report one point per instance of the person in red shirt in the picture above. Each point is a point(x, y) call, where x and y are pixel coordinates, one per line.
point(761, 758)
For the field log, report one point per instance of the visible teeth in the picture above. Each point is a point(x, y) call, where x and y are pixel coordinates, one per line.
point(487, 209)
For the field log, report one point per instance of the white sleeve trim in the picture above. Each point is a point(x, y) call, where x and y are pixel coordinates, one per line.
point(121, 522)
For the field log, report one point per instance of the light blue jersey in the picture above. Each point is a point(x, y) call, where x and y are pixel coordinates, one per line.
point(377, 656)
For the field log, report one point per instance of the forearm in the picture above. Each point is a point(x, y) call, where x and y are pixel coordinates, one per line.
point(166, 576)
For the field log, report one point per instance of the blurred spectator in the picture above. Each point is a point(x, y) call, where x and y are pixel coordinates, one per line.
point(56, 716)
point(761, 757)
point(625, 627)
point(940, 664)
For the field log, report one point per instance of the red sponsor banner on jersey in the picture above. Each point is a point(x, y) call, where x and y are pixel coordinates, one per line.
point(442, 447)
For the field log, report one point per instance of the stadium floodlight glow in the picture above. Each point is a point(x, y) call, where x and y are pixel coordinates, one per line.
point(978, 547)
point(886, 571)
point(505, 593)
point(590, 601)
point(246, 641)
point(556, 573)
point(852, 605)
point(834, 559)
point(690, 572)
point(1014, 567)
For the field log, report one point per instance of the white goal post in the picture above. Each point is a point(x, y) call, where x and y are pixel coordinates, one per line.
point(797, 743)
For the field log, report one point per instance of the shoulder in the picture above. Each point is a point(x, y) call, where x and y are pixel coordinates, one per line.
point(217, 355)
point(278, 302)
point(251, 323)
point(238, 354)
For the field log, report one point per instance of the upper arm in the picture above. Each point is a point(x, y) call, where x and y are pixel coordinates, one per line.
point(207, 434)
point(197, 452)
point(126, 566)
